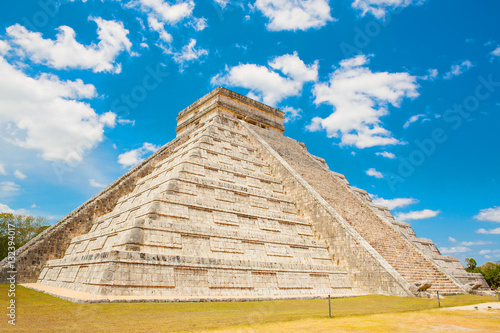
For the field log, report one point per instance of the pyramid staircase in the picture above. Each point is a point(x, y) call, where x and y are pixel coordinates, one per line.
point(400, 254)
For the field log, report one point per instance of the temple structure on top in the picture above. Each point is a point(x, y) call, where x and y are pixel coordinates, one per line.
point(233, 208)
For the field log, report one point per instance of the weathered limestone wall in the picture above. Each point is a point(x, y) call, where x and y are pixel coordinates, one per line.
point(53, 242)
point(224, 101)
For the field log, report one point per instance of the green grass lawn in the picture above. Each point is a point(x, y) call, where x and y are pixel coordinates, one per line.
point(47, 313)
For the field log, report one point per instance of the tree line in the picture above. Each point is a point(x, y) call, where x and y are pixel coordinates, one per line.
point(25, 227)
point(490, 271)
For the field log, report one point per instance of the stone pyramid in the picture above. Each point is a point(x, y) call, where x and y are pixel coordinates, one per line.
point(232, 208)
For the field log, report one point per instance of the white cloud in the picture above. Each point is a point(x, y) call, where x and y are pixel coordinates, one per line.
point(496, 52)
point(65, 52)
point(198, 23)
point(417, 215)
point(379, 8)
point(9, 186)
point(166, 12)
point(475, 243)
point(489, 214)
point(458, 69)
point(374, 173)
point(222, 3)
point(125, 121)
point(456, 249)
point(451, 239)
point(4, 47)
point(432, 74)
point(159, 27)
point(360, 98)
point(267, 84)
point(8, 210)
point(19, 175)
point(2, 170)
point(33, 206)
point(394, 203)
point(161, 13)
point(241, 46)
point(108, 119)
point(134, 156)
point(291, 65)
point(495, 231)
point(386, 154)
point(44, 114)
point(291, 114)
point(94, 183)
point(413, 119)
point(189, 53)
point(294, 14)
point(490, 253)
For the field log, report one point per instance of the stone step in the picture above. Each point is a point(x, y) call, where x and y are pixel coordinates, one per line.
point(261, 236)
point(193, 262)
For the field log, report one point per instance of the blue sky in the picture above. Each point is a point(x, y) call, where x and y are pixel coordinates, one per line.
point(401, 96)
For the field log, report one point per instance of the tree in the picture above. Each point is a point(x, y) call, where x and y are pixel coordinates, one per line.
point(471, 265)
point(25, 226)
point(491, 272)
